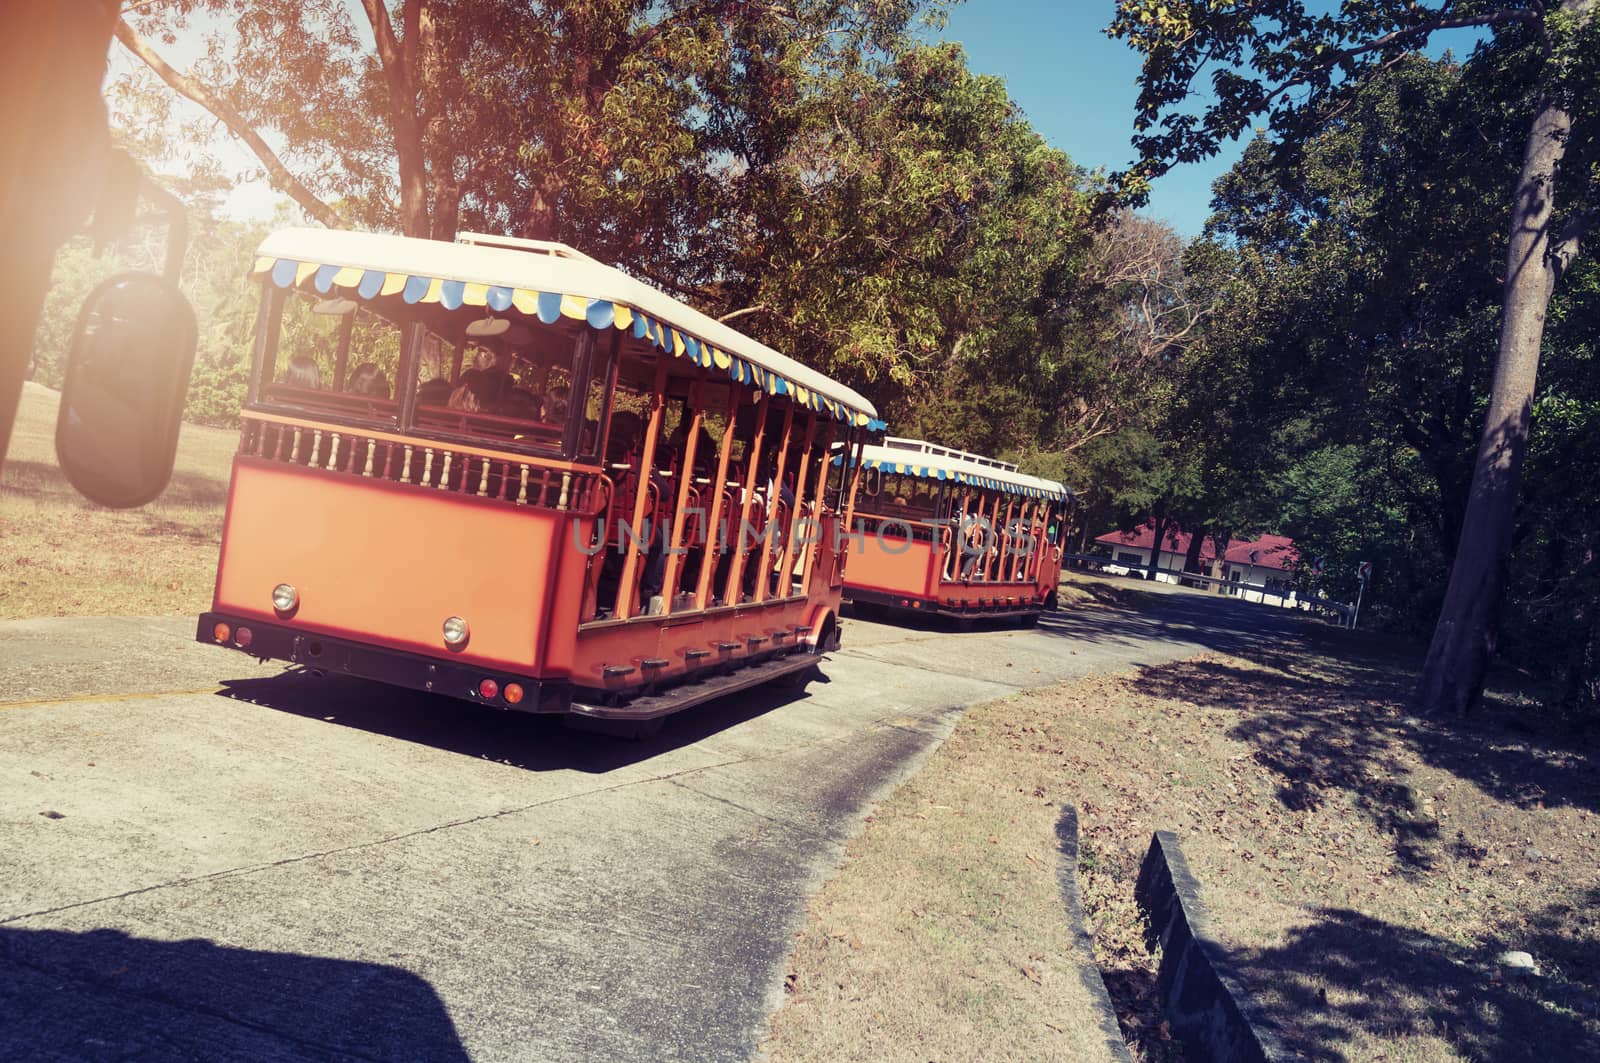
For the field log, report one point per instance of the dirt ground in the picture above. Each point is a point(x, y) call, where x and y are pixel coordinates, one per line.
point(62, 555)
point(1365, 867)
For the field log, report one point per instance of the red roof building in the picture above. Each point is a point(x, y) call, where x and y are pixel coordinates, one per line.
point(1267, 561)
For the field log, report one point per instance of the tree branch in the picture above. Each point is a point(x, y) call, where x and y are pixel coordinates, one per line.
point(1378, 44)
point(192, 89)
point(725, 318)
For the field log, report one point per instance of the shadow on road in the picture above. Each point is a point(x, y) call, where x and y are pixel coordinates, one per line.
point(1215, 622)
point(542, 743)
point(103, 994)
point(519, 740)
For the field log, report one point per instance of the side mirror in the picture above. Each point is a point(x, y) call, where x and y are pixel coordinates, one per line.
point(126, 379)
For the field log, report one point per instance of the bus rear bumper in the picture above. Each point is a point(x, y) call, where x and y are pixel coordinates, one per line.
point(415, 671)
point(1004, 603)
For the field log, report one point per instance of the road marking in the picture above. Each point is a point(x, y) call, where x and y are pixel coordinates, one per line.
point(86, 699)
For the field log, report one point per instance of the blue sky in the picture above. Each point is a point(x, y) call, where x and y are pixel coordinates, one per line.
point(1077, 87)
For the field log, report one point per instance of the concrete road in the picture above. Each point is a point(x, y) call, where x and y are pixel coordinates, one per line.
point(202, 858)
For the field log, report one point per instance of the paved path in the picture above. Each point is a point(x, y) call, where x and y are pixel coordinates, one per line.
point(204, 858)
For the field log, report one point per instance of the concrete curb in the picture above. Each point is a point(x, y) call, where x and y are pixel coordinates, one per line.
point(1067, 877)
point(1207, 1004)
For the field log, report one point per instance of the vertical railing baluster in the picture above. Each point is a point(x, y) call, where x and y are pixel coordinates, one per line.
point(372, 445)
point(522, 492)
point(427, 466)
point(405, 471)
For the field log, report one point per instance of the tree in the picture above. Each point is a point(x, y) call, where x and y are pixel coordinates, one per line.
point(598, 122)
point(1277, 59)
point(920, 241)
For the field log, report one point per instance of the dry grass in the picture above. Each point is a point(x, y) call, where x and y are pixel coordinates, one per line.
point(943, 936)
point(61, 555)
point(1364, 867)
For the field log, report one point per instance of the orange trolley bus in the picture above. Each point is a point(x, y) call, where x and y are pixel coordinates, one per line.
point(950, 533)
point(577, 496)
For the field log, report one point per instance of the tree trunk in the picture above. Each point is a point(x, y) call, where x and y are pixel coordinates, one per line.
point(1219, 564)
point(1161, 523)
point(1191, 558)
point(1464, 638)
point(397, 58)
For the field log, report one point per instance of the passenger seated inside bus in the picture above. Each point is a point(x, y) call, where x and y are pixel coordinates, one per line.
point(302, 372)
point(480, 391)
point(622, 445)
point(435, 392)
point(556, 402)
point(520, 403)
point(368, 379)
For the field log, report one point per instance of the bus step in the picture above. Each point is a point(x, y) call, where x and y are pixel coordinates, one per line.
point(677, 698)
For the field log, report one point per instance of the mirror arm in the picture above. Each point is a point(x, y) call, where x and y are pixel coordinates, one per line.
point(171, 208)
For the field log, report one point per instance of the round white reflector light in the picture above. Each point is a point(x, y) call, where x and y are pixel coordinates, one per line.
point(285, 598)
point(455, 631)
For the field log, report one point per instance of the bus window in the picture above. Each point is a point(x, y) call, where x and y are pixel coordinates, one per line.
point(514, 389)
point(596, 403)
point(330, 357)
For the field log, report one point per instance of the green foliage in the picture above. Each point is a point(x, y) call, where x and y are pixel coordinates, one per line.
point(913, 243)
point(1359, 272)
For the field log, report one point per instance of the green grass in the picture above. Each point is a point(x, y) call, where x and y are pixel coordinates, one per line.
point(62, 555)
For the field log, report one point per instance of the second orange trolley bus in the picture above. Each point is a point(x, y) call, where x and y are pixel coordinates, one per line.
point(500, 470)
point(947, 532)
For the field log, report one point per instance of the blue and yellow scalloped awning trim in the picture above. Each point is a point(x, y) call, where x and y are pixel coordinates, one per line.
point(930, 472)
point(550, 307)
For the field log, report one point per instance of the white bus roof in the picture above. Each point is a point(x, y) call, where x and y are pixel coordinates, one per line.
point(547, 281)
point(943, 463)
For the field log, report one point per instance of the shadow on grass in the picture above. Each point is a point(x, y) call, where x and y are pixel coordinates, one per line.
point(44, 481)
point(1349, 733)
point(519, 740)
point(1347, 973)
point(103, 994)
